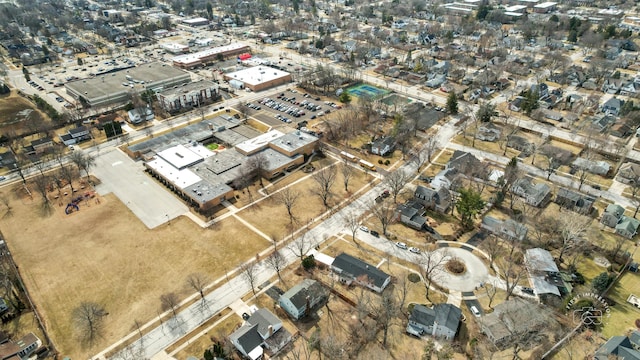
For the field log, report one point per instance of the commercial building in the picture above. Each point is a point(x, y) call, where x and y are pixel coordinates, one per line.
point(175, 48)
point(198, 21)
point(115, 87)
point(545, 7)
point(188, 95)
point(259, 77)
point(203, 177)
point(188, 61)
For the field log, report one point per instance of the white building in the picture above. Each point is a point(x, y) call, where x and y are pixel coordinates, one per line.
point(188, 95)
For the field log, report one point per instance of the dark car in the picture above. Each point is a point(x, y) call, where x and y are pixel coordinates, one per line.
point(426, 178)
point(245, 316)
point(527, 290)
point(374, 233)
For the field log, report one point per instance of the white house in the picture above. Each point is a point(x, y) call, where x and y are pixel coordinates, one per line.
point(298, 300)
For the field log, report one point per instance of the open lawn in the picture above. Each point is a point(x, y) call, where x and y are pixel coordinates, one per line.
point(623, 314)
point(19, 115)
point(270, 216)
point(492, 147)
point(104, 254)
point(197, 346)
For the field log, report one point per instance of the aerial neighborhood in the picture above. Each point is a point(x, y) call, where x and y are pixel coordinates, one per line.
point(315, 179)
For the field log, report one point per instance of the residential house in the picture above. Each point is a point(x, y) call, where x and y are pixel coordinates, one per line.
point(21, 349)
point(510, 318)
point(445, 178)
point(612, 215)
point(620, 347)
point(39, 146)
point(301, 298)
point(537, 195)
point(488, 132)
point(629, 173)
point(520, 143)
point(542, 89)
point(507, 229)
point(75, 136)
point(383, 146)
point(440, 321)
point(611, 85)
point(140, 115)
point(544, 273)
point(627, 227)
point(262, 330)
point(411, 214)
point(574, 201)
point(516, 104)
point(438, 200)
point(631, 88)
point(350, 269)
point(595, 167)
point(602, 123)
point(620, 130)
point(465, 162)
point(612, 106)
point(436, 81)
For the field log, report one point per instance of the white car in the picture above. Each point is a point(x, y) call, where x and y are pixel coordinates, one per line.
point(364, 229)
point(414, 250)
point(401, 245)
point(475, 311)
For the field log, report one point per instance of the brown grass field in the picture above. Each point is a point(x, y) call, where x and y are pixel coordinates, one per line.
point(15, 109)
point(106, 255)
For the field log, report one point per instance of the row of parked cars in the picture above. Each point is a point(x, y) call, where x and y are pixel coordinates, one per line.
point(35, 85)
point(288, 109)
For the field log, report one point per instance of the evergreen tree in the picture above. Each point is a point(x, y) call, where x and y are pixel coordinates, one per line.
point(452, 102)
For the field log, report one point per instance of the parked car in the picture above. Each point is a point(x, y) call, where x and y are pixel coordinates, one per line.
point(401, 245)
point(528, 290)
point(414, 250)
point(375, 233)
point(475, 311)
point(364, 229)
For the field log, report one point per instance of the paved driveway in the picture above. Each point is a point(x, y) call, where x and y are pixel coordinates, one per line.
point(152, 203)
point(476, 271)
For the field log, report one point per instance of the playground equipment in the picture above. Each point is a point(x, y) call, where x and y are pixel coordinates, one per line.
point(73, 205)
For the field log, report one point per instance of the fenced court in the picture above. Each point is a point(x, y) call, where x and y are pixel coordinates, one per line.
point(367, 90)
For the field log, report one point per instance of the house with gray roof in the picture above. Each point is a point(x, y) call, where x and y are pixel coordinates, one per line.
point(620, 347)
point(511, 318)
point(383, 146)
point(612, 106)
point(262, 330)
point(445, 178)
point(507, 229)
point(438, 200)
point(411, 214)
point(575, 201)
point(300, 299)
point(612, 215)
point(595, 167)
point(627, 227)
point(440, 321)
point(628, 173)
point(544, 273)
point(537, 195)
point(350, 269)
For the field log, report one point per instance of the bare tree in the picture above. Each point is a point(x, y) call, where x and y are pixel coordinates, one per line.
point(42, 183)
point(552, 164)
point(198, 282)
point(169, 301)
point(250, 274)
point(347, 172)
point(491, 245)
point(510, 267)
point(83, 161)
point(385, 213)
point(430, 147)
point(352, 221)
point(324, 180)
point(4, 199)
point(277, 262)
point(432, 263)
point(300, 246)
point(258, 163)
point(386, 310)
point(288, 198)
point(396, 182)
point(88, 319)
point(574, 228)
point(490, 290)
